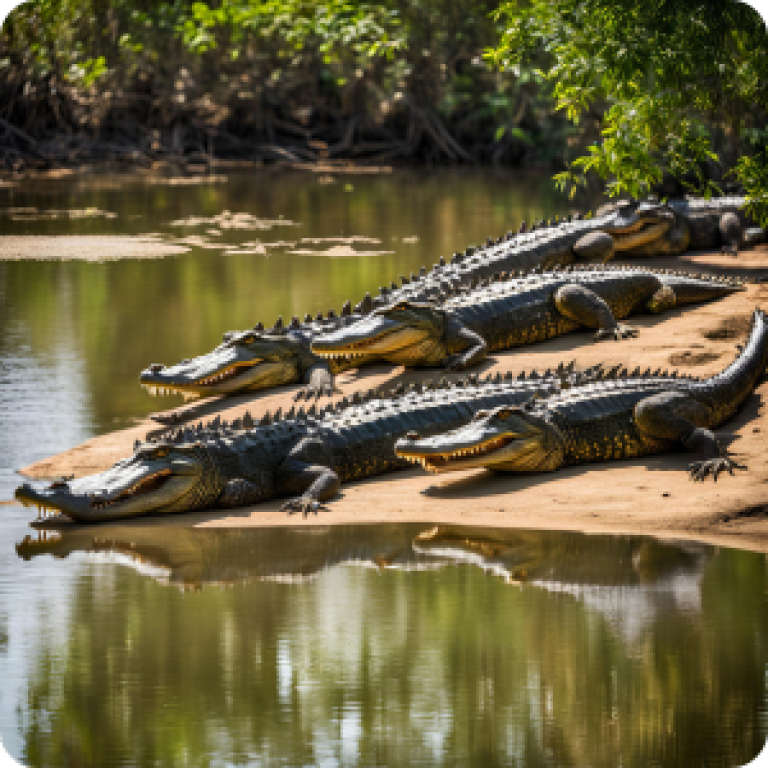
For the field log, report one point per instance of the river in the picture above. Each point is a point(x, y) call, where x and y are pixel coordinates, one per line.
point(371, 645)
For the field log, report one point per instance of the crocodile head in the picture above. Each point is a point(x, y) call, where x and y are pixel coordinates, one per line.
point(246, 361)
point(509, 439)
point(157, 479)
point(406, 333)
point(632, 225)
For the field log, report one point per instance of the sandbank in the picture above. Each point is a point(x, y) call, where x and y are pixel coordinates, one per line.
point(652, 495)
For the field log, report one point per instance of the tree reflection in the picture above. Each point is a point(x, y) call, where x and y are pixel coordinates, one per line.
point(400, 662)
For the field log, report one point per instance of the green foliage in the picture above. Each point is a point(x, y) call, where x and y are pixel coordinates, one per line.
point(753, 174)
point(388, 62)
point(683, 81)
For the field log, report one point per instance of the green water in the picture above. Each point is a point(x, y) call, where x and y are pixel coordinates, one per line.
point(152, 645)
point(364, 646)
point(118, 317)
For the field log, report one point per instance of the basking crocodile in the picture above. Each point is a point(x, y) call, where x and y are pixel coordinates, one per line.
point(259, 359)
point(693, 224)
point(616, 419)
point(459, 331)
point(465, 323)
point(307, 456)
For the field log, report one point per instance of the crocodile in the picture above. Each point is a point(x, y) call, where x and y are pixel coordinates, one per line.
point(262, 358)
point(618, 418)
point(461, 323)
point(459, 331)
point(306, 455)
point(694, 224)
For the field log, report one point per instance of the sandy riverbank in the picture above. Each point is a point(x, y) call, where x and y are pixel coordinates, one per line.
point(650, 496)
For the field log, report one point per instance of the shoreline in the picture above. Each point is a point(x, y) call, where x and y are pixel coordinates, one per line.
point(650, 496)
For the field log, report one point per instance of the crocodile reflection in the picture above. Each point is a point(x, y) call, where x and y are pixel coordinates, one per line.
point(648, 575)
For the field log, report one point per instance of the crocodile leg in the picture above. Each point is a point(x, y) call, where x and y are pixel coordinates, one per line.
point(578, 303)
point(676, 417)
point(319, 381)
point(662, 300)
point(475, 348)
point(240, 493)
point(306, 472)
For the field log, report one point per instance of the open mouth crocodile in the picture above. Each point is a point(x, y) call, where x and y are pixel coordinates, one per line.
point(621, 418)
point(456, 332)
point(307, 456)
point(261, 359)
point(459, 331)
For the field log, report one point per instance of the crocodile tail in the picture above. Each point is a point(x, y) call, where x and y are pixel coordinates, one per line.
point(692, 289)
point(730, 388)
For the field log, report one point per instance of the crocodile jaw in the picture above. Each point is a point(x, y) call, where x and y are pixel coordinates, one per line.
point(373, 336)
point(221, 372)
point(132, 487)
point(469, 447)
point(636, 237)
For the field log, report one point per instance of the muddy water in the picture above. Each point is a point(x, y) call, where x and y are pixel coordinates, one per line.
point(74, 335)
point(378, 645)
point(141, 645)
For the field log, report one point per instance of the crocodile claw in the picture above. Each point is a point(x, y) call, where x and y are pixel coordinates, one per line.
point(617, 333)
point(454, 363)
point(701, 470)
point(309, 392)
point(304, 505)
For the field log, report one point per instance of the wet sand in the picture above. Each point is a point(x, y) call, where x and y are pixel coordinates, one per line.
point(652, 495)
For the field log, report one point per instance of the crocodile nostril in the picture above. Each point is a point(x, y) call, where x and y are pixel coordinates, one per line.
point(155, 367)
point(412, 436)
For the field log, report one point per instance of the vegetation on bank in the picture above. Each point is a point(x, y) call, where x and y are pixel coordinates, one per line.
point(639, 94)
point(685, 83)
point(293, 80)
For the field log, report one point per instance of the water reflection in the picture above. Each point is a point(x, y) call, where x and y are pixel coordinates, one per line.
point(480, 647)
point(444, 647)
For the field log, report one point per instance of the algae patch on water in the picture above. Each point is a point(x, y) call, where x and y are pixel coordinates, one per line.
point(342, 246)
point(86, 247)
point(229, 220)
point(36, 214)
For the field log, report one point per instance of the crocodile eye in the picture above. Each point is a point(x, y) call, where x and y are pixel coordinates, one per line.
point(481, 415)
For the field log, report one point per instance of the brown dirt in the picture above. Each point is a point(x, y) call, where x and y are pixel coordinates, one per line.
point(652, 495)
point(730, 328)
point(679, 359)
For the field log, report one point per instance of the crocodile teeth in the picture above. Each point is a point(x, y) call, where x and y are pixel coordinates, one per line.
point(45, 510)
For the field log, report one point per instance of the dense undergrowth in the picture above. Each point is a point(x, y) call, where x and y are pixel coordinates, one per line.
point(287, 80)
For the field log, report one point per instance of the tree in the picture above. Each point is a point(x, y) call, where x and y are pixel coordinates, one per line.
point(684, 82)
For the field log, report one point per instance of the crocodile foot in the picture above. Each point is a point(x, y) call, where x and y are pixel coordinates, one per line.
point(169, 419)
point(700, 470)
point(617, 333)
point(310, 392)
point(455, 363)
point(304, 505)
